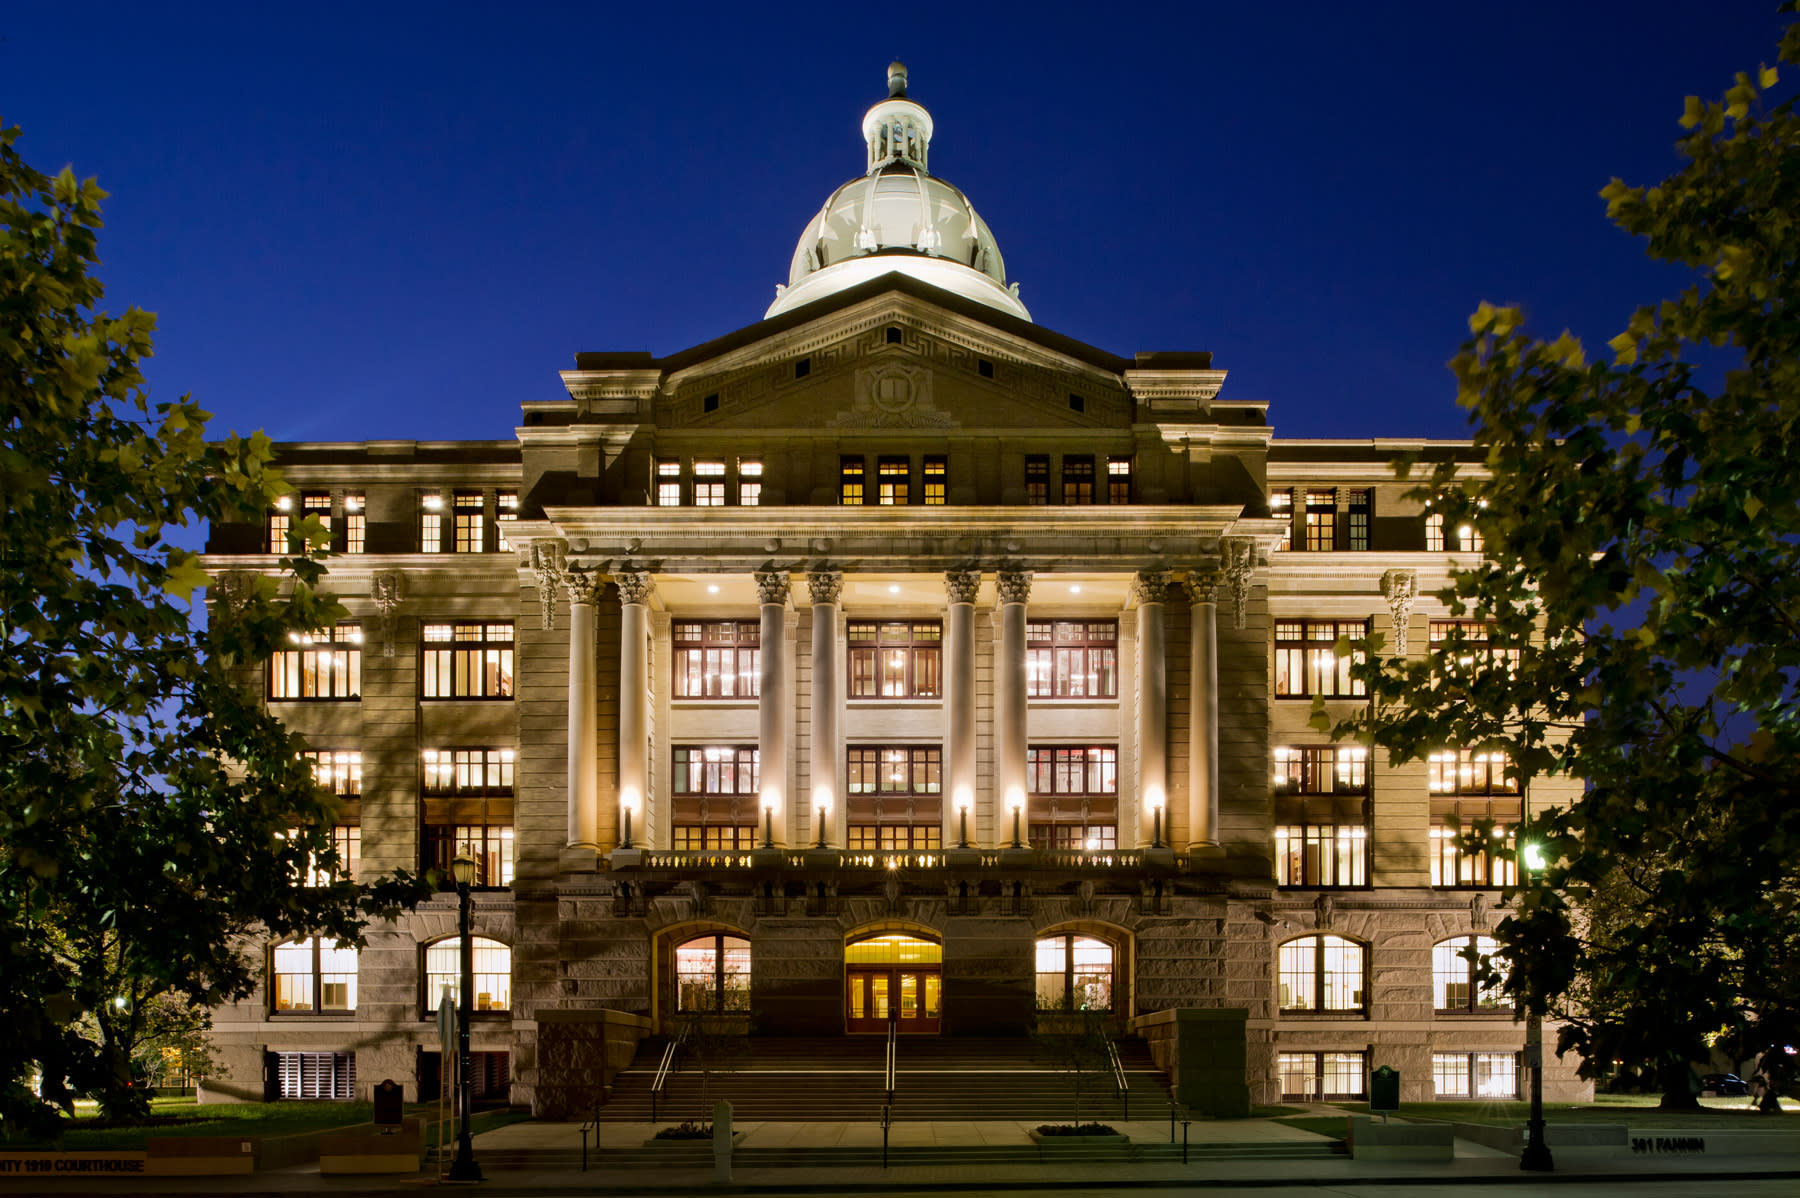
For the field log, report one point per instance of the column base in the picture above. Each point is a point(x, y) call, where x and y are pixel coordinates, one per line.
point(969, 858)
point(768, 858)
point(626, 858)
point(1017, 858)
point(1163, 858)
point(1210, 852)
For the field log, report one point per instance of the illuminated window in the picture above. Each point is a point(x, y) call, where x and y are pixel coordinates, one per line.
point(468, 809)
point(1359, 514)
point(356, 524)
point(716, 659)
point(314, 976)
point(895, 659)
point(276, 525)
point(1321, 816)
point(1473, 841)
point(715, 792)
point(1488, 1075)
point(1074, 973)
point(850, 482)
point(709, 484)
point(895, 797)
point(749, 482)
point(492, 974)
point(319, 666)
point(1037, 478)
point(1321, 1076)
point(1468, 538)
point(467, 510)
point(1320, 973)
point(1118, 480)
point(1307, 661)
point(318, 503)
point(1078, 479)
point(1281, 507)
point(712, 973)
point(1321, 520)
point(936, 473)
point(892, 476)
point(1469, 772)
point(1455, 985)
point(467, 661)
point(1434, 532)
point(431, 523)
point(506, 514)
point(1072, 659)
point(338, 771)
point(668, 482)
point(1462, 643)
point(1074, 801)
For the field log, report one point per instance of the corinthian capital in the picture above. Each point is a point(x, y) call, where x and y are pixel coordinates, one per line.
point(825, 585)
point(634, 586)
point(1151, 586)
point(962, 585)
point(584, 585)
point(1203, 583)
point(1014, 586)
point(772, 586)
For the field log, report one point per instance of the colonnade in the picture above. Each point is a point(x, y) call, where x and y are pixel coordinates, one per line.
point(775, 705)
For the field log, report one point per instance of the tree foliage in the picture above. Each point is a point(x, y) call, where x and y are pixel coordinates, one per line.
point(151, 812)
point(1641, 520)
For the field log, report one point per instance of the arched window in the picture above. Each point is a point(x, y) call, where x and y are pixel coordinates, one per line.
point(1454, 984)
point(493, 973)
point(1321, 973)
point(1074, 973)
point(712, 973)
point(314, 976)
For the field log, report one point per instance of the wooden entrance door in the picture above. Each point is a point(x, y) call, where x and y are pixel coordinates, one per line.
point(909, 995)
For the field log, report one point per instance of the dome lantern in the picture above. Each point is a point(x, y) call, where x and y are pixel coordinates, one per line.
point(897, 218)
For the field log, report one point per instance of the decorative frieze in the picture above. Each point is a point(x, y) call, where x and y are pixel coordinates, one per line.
point(1237, 559)
point(548, 558)
point(388, 589)
point(1401, 590)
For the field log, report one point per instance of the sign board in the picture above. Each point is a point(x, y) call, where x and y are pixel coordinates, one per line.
point(387, 1104)
point(1384, 1090)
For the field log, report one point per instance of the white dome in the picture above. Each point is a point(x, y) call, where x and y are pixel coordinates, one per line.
point(898, 218)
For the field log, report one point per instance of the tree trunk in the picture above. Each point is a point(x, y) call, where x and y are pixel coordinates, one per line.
point(1678, 1093)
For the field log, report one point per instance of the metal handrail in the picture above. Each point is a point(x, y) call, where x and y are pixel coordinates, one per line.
point(1121, 1083)
point(662, 1070)
point(893, 1053)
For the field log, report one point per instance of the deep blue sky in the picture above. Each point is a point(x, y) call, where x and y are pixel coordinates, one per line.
point(392, 221)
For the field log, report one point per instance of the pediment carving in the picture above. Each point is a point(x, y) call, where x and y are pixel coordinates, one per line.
point(893, 395)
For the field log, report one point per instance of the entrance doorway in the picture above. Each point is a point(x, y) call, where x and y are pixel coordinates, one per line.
point(893, 978)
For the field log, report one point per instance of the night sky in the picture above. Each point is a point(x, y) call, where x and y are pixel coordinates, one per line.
point(373, 221)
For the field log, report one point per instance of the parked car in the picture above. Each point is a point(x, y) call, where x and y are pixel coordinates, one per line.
point(1725, 1085)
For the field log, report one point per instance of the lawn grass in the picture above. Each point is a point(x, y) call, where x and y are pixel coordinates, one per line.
point(214, 1119)
point(1318, 1125)
point(1275, 1112)
point(1637, 1111)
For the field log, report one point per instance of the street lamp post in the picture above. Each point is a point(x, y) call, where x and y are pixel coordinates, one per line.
point(464, 1167)
point(1536, 1154)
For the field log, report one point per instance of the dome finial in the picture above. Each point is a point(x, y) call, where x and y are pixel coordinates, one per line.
point(896, 80)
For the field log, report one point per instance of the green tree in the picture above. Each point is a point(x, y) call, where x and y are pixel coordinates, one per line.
point(151, 812)
point(1642, 533)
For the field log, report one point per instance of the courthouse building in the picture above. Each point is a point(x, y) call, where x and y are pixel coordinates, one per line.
point(891, 658)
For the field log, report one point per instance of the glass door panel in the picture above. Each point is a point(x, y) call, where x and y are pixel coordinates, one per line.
point(909, 996)
point(878, 990)
point(933, 995)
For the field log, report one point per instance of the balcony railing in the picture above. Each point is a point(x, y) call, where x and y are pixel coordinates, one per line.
point(895, 859)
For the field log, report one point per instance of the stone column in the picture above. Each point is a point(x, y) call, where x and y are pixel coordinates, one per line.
point(1203, 708)
point(959, 704)
point(1009, 705)
point(826, 586)
point(1151, 588)
point(583, 587)
point(634, 697)
point(773, 707)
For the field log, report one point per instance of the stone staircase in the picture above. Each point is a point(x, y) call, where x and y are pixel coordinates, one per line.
point(839, 1078)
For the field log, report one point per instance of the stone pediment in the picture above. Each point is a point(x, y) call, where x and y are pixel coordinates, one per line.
point(944, 372)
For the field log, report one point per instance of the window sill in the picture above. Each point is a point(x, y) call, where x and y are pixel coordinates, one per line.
point(720, 701)
point(1459, 1014)
point(1073, 701)
point(476, 1016)
point(1308, 1016)
point(322, 1016)
point(1293, 886)
point(465, 698)
point(322, 699)
point(885, 701)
